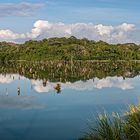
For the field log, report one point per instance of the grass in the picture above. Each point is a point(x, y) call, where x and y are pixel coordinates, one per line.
point(114, 127)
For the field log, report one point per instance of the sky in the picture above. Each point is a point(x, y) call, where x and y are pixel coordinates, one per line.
point(113, 21)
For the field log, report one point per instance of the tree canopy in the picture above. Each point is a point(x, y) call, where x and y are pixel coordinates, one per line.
point(67, 49)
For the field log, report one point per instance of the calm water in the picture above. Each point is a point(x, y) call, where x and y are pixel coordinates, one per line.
point(35, 107)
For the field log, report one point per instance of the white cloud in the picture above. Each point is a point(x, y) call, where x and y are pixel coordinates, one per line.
point(20, 9)
point(8, 35)
point(123, 33)
point(126, 27)
point(104, 30)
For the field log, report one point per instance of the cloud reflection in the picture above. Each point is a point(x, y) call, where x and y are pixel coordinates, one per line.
point(109, 82)
point(8, 78)
point(96, 83)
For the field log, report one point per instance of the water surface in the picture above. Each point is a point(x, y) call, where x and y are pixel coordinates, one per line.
point(54, 101)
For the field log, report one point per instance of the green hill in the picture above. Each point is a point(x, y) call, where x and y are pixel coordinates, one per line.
point(68, 49)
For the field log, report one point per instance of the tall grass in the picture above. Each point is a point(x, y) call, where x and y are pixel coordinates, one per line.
point(132, 123)
point(114, 127)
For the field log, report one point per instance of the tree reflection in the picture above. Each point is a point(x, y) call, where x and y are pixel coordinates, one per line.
point(63, 71)
point(18, 91)
point(58, 88)
point(44, 82)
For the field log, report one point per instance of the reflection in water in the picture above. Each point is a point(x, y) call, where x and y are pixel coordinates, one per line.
point(109, 82)
point(24, 102)
point(82, 75)
point(58, 88)
point(6, 92)
point(5, 78)
point(8, 78)
point(43, 79)
point(62, 71)
point(41, 86)
point(44, 83)
point(81, 85)
point(18, 91)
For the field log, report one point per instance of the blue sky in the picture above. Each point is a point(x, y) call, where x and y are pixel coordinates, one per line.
point(71, 11)
point(106, 12)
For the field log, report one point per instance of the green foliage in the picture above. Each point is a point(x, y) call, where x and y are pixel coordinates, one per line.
point(132, 125)
point(68, 49)
point(116, 128)
point(71, 71)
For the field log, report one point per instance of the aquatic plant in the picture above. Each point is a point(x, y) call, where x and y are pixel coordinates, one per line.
point(114, 127)
point(132, 123)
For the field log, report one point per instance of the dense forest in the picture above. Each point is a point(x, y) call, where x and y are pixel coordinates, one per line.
point(68, 49)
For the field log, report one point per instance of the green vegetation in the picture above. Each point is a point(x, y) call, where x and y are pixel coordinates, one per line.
point(116, 128)
point(61, 59)
point(68, 49)
point(64, 71)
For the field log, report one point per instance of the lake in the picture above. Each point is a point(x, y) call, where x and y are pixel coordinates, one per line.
point(56, 100)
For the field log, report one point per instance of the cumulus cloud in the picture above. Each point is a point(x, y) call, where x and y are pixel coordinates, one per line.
point(123, 33)
point(8, 35)
point(20, 9)
point(103, 30)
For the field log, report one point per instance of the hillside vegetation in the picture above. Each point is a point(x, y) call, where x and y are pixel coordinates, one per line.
point(68, 49)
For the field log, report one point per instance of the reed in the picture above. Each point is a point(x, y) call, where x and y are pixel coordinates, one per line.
point(114, 127)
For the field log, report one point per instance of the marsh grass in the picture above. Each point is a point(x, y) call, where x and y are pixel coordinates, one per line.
point(132, 123)
point(114, 127)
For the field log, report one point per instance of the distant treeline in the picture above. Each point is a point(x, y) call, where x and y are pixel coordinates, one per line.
point(68, 49)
